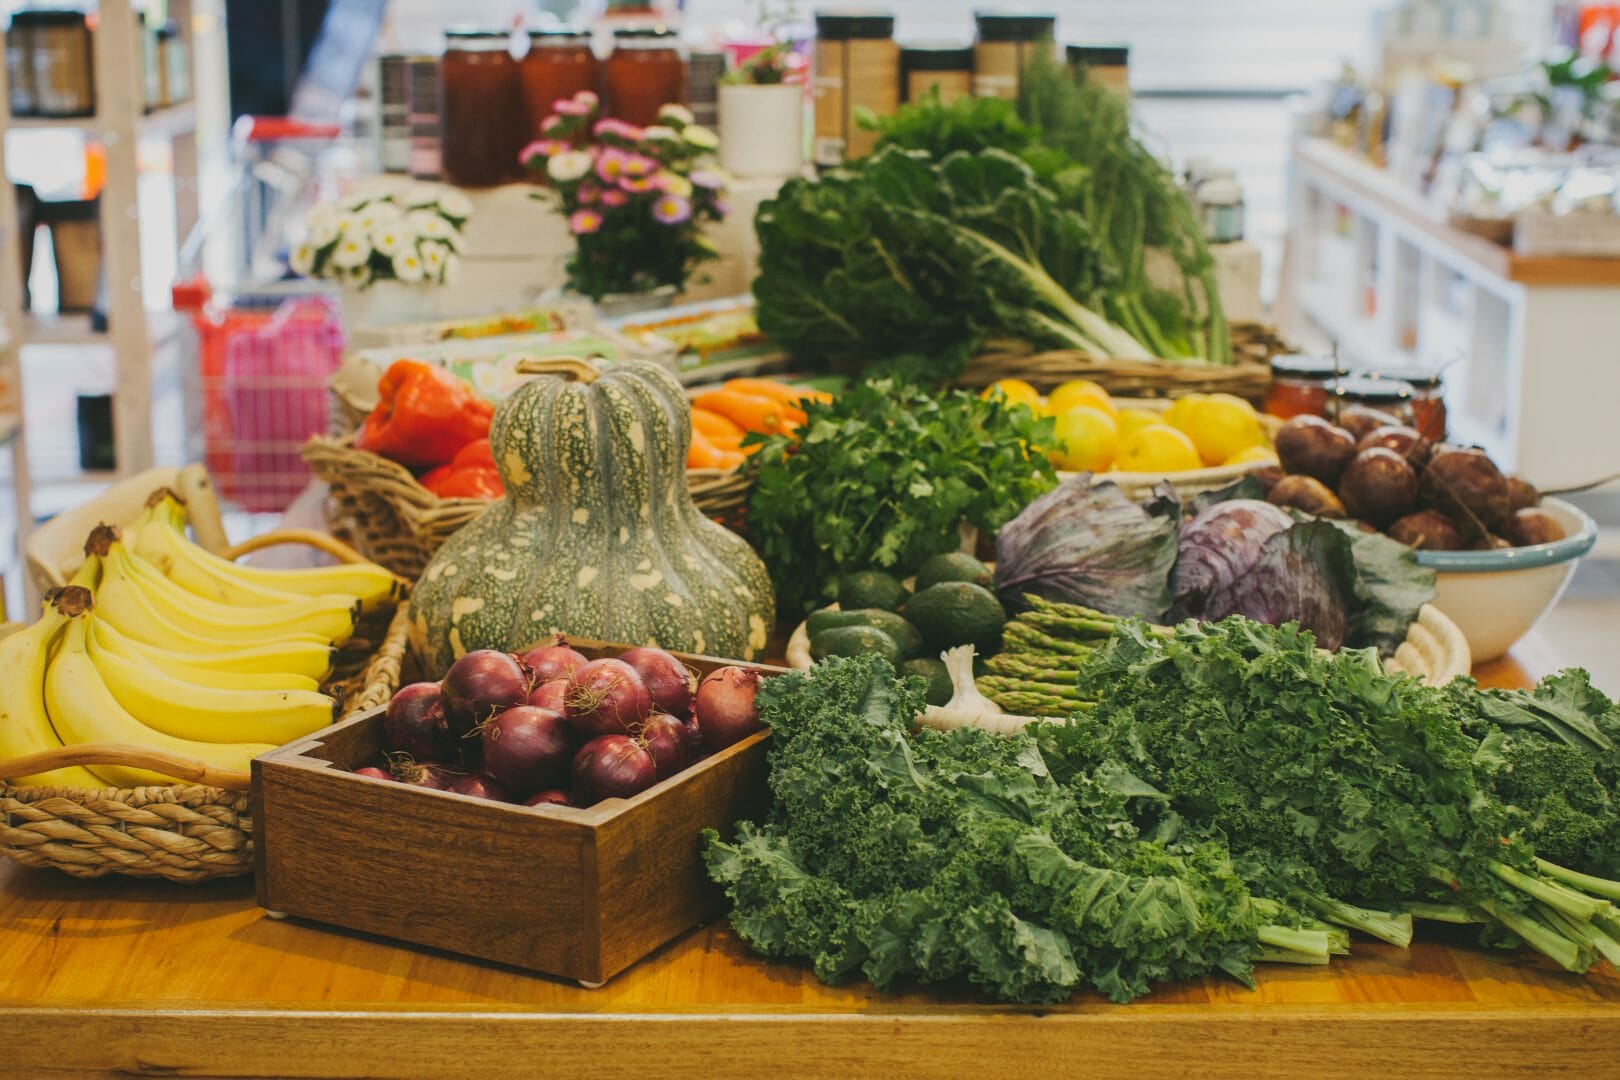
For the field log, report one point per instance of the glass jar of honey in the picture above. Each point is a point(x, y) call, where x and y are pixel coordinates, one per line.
point(1428, 399)
point(1391, 396)
point(481, 120)
point(1299, 385)
point(558, 65)
point(646, 71)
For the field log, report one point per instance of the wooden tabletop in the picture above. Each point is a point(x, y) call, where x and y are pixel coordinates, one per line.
point(125, 978)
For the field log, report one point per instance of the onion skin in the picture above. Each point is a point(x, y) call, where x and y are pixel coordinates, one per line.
point(426, 774)
point(415, 723)
point(611, 767)
point(480, 786)
point(664, 737)
point(527, 748)
point(549, 695)
point(373, 772)
point(549, 798)
point(606, 697)
point(481, 684)
point(668, 683)
point(553, 661)
point(725, 708)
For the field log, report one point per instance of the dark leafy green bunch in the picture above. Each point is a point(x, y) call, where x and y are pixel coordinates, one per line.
point(957, 855)
point(883, 476)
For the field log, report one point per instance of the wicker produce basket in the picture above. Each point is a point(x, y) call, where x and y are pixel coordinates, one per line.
point(188, 832)
point(1141, 485)
point(1248, 377)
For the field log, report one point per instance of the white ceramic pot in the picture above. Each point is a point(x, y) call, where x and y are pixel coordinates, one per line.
point(761, 129)
point(391, 303)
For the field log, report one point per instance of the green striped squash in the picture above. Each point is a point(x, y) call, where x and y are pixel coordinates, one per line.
point(596, 536)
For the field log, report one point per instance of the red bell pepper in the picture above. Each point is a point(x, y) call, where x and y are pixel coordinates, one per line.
point(472, 482)
point(424, 416)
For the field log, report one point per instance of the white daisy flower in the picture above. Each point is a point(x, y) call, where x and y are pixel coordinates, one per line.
point(358, 276)
point(659, 133)
point(701, 137)
point(408, 266)
point(679, 113)
point(569, 166)
point(392, 237)
point(433, 258)
point(455, 241)
point(352, 251)
point(428, 223)
point(302, 260)
point(321, 213)
point(418, 196)
point(452, 269)
point(323, 232)
point(455, 204)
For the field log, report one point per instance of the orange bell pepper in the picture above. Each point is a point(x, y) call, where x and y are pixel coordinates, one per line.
point(424, 415)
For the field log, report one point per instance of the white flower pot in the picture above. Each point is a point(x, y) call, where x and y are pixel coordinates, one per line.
point(761, 129)
point(390, 303)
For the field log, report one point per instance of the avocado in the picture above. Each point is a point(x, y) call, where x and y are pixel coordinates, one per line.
point(870, 589)
point(855, 641)
point(940, 690)
point(953, 566)
point(819, 622)
point(904, 634)
point(957, 613)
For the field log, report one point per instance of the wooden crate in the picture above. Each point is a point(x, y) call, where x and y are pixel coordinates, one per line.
point(581, 893)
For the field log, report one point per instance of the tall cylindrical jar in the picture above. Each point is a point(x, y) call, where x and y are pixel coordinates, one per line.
point(857, 66)
point(1109, 65)
point(1006, 44)
point(559, 64)
point(20, 67)
point(945, 68)
point(422, 116)
point(646, 71)
point(63, 67)
point(481, 116)
point(393, 112)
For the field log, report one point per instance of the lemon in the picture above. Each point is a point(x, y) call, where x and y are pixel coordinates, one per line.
point(1133, 420)
point(1016, 391)
point(1158, 448)
point(1087, 439)
point(1250, 455)
point(1176, 414)
point(1079, 392)
point(1220, 426)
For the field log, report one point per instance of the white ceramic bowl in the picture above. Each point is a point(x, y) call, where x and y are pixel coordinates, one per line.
point(1497, 596)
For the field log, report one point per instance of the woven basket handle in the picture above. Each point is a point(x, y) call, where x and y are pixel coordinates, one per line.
point(318, 540)
point(185, 769)
point(573, 367)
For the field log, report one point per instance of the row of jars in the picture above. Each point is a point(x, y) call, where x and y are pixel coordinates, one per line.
point(494, 103)
point(1321, 386)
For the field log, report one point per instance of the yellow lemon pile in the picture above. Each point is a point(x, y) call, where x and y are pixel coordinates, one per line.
point(1094, 434)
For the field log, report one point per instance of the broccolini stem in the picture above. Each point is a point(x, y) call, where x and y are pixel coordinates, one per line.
point(1575, 905)
point(1383, 925)
point(1585, 882)
point(1567, 954)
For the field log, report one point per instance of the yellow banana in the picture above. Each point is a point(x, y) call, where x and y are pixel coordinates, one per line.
point(83, 710)
point(24, 726)
point(232, 675)
point(161, 538)
point(331, 619)
point(205, 713)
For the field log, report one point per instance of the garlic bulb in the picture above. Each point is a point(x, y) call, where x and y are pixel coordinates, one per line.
point(968, 707)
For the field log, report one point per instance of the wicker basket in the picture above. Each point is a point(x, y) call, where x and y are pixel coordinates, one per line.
point(1141, 485)
point(186, 832)
point(1248, 377)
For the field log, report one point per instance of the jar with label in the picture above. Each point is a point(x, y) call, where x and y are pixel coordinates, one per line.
point(481, 112)
point(422, 115)
point(1006, 44)
point(1109, 65)
point(704, 69)
point(60, 59)
point(558, 65)
point(1391, 396)
point(393, 113)
point(20, 68)
point(857, 66)
point(646, 71)
point(1428, 398)
point(946, 69)
point(1220, 208)
point(1299, 385)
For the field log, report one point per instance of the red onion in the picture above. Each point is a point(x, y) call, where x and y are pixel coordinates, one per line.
point(692, 736)
point(527, 748)
point(549, 695)
point(415, 723)
point(481, 684)
point(549, 798)
point(726, 712)
point(606, 697)
point(373, 772)
point(420, 774)
point(665, 739)
point(480, 786)
point(554, 661)
point(668, 682)
point(611, 767)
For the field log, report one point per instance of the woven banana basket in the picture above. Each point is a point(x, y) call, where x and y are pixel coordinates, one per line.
point(186, 832)
point(1247, 377)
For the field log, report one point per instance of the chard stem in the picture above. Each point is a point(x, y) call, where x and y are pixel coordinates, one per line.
point(1585, 882)
point(1573, 904)
point(1396, 929)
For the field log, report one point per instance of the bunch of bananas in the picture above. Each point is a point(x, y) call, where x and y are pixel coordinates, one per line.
point(160, 644)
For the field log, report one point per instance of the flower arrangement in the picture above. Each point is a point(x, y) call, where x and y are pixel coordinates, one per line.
point(413, 237)
point(636, 198)
point(770, 66)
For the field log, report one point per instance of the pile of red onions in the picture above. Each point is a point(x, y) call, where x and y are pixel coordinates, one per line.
point(554, 728)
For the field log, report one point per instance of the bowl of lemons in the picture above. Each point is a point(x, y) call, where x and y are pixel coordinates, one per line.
point(1198, 442)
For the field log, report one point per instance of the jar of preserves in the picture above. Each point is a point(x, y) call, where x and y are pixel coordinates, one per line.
point(1299, 385)
point(1109, 65)
point(558, 65)
point(1391, 396)
point(62, 71)
point(1006, 43)
point(481, 115)
point(1428, 399)
point(947, 69)
point(857, 67)
point(646, 71)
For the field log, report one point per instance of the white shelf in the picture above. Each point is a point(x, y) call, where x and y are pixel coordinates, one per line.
point(167, 122)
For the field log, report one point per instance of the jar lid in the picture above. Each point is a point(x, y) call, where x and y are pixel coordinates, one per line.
point(1304, 366)
point(999, 26)
point(1364, 388)
point(644, 33)
point(559, 33)
point(1418, 378)
point(1099, 55)
point(854, 25)
point(936, 56)
point(50, 17)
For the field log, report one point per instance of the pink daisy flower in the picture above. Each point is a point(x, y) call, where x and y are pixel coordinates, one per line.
point(588, 193)
point(610, 166)
point(584, 221)
point(614, 198)
point(638, 185)
point(671, 210)
point(639, 165)
point(571, 107)
point(708, 178)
